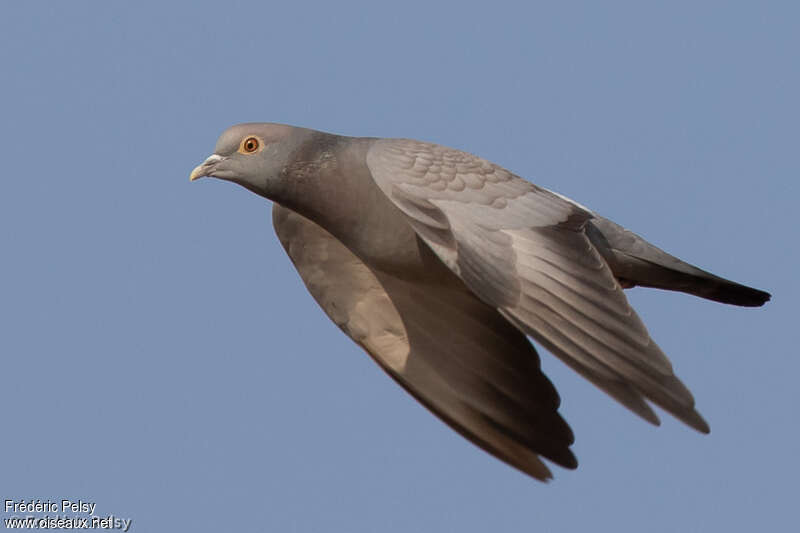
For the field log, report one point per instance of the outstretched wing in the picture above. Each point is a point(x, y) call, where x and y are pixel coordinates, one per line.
point(524, 250)
point(450, 350)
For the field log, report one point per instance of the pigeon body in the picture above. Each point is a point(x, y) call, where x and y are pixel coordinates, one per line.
point(439, 264)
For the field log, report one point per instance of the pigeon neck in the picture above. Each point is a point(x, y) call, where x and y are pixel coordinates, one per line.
point(335, 190)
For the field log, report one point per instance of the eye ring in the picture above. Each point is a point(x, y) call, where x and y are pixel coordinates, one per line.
point(250, 145)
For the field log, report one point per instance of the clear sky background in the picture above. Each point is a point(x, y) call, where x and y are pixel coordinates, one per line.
point(161, 357)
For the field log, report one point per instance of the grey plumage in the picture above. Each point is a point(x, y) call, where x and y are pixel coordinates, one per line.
point(438, 263)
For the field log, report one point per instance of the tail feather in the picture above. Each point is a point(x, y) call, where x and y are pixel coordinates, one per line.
point(637, 262)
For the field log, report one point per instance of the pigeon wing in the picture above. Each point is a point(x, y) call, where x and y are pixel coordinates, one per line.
point(524, 251)
point(457, 355)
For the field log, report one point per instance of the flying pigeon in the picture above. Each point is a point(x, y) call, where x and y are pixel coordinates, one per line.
point(440, 264)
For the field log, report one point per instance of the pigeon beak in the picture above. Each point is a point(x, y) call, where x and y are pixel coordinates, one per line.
point(206, 167)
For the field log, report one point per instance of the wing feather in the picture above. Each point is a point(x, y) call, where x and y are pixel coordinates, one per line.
point(524, 251)
point(458, 356)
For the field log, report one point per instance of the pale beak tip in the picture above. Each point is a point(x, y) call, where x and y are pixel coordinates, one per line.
point(198, 172)
point(206, 168)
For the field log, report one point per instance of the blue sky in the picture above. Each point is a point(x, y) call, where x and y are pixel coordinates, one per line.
point(161, 358)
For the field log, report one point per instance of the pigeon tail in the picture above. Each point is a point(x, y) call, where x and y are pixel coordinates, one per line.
point(634, 261)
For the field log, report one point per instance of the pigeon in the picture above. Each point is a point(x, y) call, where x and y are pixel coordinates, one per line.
point(441, 265)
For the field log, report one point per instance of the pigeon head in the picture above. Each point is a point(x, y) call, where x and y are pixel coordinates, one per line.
point(254, 155)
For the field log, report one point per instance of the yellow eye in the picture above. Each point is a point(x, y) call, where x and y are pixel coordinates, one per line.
point(249, 145)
